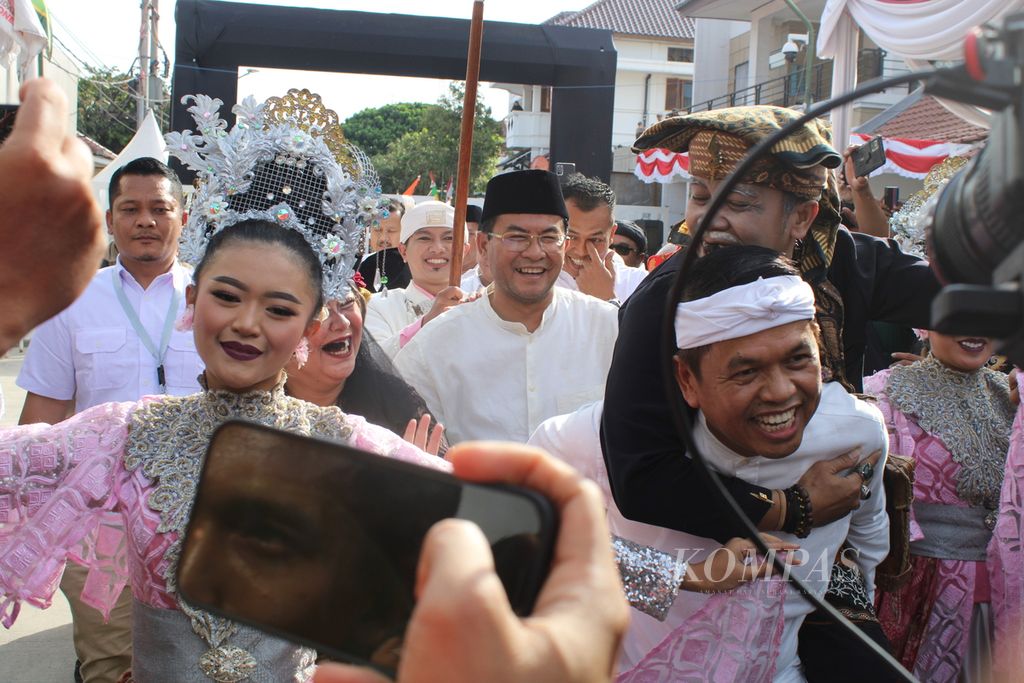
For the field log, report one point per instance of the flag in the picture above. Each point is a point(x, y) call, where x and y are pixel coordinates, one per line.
point(448, 190)
point(409, 190)
point(433, 185)
point(21, 32)
point(44, 19)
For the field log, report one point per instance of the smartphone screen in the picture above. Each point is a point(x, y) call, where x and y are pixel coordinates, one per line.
point(7, 115)
point(319, 542)
point(891, 197)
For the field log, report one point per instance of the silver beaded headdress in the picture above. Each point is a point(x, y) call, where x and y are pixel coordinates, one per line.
point(907, 226)
point(285, 161)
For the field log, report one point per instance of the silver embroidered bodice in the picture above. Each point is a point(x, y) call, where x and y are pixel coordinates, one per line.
point(167, 441)
point(970, 412)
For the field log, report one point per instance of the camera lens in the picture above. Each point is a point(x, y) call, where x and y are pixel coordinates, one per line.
point(974, 222)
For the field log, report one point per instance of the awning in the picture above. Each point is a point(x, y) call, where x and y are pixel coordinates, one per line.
point(662, 166)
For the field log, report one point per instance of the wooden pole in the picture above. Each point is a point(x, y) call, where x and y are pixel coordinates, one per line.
point(476, 34)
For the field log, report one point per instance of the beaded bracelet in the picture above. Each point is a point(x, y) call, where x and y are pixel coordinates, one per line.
point(799, 520)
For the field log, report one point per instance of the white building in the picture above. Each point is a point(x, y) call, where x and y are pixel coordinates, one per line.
point(654, 77)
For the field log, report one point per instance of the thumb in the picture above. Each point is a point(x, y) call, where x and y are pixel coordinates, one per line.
point(846, 460)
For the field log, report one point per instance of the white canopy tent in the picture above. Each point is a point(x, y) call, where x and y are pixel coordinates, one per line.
point(148, 142)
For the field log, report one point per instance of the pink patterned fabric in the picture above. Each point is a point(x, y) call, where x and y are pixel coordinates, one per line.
point(56, 501)
point(1006, 556)
point(63, 491)
point(943, 645)
point(734, 637)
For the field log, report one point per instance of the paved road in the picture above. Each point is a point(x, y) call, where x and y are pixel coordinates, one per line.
point(38, 649)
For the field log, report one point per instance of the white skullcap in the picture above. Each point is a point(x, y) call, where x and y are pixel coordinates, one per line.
point(746, 309)
point(427, 215)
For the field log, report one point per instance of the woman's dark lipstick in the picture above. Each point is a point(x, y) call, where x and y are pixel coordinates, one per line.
point(240, 351)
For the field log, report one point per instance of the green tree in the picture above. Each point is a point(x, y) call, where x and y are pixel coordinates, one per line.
point(372, 130)
point(106, 107)
point(436, 147)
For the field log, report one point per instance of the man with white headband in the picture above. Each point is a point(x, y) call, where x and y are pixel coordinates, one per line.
point(786, 202)
point(749, 363)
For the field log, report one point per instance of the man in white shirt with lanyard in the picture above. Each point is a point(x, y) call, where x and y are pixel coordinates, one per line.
point(590, 265)
point(496, 367)
point(117, 342)
point(395, 316)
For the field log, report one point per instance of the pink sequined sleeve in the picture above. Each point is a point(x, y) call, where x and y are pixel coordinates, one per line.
point(1006, 554)
point(57, 502)
point(901, 436)
point(370, 437)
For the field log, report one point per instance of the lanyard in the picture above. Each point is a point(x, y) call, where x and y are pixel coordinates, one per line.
point(165, 338)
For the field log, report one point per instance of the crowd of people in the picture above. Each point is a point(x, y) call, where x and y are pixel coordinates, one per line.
point(290, 292)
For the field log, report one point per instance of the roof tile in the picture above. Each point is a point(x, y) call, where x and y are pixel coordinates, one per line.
point(926, 119)
point(653, 18)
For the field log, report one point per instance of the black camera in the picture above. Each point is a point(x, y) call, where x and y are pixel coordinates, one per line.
point(975, 225)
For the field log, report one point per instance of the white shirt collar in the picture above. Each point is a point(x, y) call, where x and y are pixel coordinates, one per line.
point(180, 274)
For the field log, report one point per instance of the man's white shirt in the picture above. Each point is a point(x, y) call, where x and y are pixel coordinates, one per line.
point(486, 378)
point(470, 282)
point(90, 351)
point(387, 314)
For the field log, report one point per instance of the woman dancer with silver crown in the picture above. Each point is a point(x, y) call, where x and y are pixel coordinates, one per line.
point(273, 232)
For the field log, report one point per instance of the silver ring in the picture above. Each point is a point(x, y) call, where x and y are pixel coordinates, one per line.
point(865, 470)
point(865, 492)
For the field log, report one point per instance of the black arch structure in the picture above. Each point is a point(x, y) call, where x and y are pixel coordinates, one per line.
point(215, 38)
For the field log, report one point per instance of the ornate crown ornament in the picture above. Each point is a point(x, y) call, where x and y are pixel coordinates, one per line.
point(285, 161)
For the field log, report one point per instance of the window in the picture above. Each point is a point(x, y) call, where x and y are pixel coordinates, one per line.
point(680, 54)
point(545, 99)
point(678, 94)
point(740, 75)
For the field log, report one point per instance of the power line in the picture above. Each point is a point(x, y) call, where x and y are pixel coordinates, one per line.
point(85, 48)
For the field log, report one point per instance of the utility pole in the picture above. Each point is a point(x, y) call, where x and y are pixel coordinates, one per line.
point(142, 94)
point(156, 86)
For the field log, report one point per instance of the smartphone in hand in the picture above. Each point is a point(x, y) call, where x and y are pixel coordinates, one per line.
point(8, 112)
point(318, 542)
point(869, 157)
point(891, 197)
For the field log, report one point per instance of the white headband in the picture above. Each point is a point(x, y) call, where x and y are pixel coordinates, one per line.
point(746, 309)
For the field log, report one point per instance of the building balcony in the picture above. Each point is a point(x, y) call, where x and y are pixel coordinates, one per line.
point(528, 129)
point(790, 90)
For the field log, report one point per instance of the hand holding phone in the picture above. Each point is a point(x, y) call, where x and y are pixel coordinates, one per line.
point(580, 617)
point(319, 542)
point(869, 157)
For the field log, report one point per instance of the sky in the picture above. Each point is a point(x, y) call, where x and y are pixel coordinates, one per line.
point(110, 38)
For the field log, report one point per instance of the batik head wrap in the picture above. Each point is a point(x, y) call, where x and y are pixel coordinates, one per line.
point(718, 140)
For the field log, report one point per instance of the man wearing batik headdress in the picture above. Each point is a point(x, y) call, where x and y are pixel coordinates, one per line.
point(787, 202)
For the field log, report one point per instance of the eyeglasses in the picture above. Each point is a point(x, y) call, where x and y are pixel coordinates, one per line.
point(623, 249)
point(521, 241)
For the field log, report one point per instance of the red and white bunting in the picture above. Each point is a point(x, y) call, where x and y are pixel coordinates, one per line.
point(903, 156)
point(662, 166)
